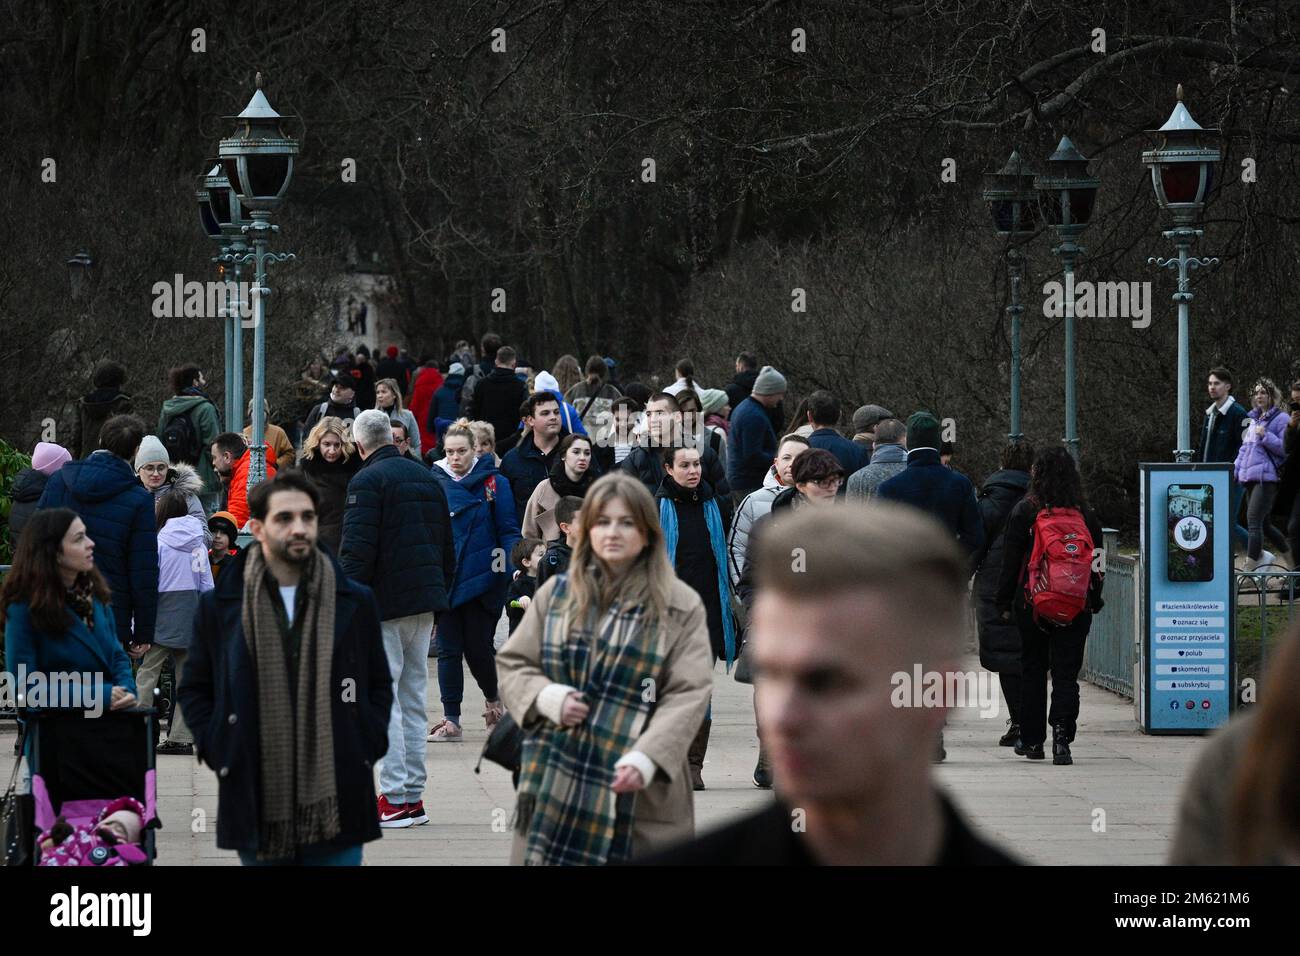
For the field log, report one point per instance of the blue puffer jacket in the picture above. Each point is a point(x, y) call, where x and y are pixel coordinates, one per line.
point(484, 519)
point(397, 535)
point(446, 400)
point(119, 518)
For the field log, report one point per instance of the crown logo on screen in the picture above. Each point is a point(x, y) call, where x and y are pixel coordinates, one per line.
point(1191, 530)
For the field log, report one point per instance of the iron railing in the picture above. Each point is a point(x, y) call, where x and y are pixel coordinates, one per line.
point(1110, 653)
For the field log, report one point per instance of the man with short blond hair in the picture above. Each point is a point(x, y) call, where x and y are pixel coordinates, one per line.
point(878, 593)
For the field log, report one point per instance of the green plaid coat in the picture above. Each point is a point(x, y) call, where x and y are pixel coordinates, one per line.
point(650, 697)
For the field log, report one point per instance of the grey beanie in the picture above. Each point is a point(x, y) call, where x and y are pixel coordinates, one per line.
point(868, 416)
point(151, 450)
point(769, 382)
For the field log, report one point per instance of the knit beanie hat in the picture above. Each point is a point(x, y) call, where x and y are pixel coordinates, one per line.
point(456, 369)
point(712, 400)
point(923, 431)
point(49, 457)
point(224, 521)
point(868, 416)
point(151, 450)
point(546, 382)
point(392, 351)
point(769, 382)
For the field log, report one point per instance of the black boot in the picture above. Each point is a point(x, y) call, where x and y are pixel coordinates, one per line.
point(1061, 747)
point(940, 755)
point(1011, 736)
point(1032, 751)
point(762, 769)
point(695, 755)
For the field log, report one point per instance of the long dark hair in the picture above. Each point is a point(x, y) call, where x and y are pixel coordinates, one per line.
point(1054, 481)
point(173, 504)
point(35, 576)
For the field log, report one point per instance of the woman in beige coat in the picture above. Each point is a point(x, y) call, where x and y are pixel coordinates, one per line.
point(609, 676)
point(570, 475)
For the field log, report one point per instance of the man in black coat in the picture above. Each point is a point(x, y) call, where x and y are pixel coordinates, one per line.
point(397, 539)
point(664, 430)
point(842, 638)
point(1221, 438)
point(528, 461)
point(496, 398)
point(739, 388)
point(244, 705)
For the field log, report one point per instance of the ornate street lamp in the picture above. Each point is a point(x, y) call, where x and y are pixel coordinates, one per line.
point(258, 162)
point(1182, 173)
point(1013, 203)
point(79, 273)
point(219, 214)
point(1067, 196)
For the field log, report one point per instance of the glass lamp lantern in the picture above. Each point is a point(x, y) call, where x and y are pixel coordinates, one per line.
point(1013, 202)
point(1067, 193)
point(258, 158)
point(1182, 164)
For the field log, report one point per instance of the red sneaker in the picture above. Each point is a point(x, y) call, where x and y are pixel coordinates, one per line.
point(415, 812)
point(393, 817)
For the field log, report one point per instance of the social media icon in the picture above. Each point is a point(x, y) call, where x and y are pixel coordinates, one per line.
point(1173, 705)
point(1190, 705)
point(1205, 705)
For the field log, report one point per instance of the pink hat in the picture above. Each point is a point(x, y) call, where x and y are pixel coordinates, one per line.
point(49, 457)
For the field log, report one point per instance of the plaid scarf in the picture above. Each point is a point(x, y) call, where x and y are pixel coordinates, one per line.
point(567, 811)
point(295, 731)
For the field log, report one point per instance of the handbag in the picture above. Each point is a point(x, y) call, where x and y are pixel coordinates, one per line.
point(17, 817)
point(505, 745)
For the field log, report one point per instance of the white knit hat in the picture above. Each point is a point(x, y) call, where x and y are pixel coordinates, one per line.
point(151, 450)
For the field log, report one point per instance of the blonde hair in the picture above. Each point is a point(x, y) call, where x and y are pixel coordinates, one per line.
point(331, 425)
point(483, 431)
point(567, 372)
point(397, 394)
point(647, 583)
point(460, 428)
point(1274, 392)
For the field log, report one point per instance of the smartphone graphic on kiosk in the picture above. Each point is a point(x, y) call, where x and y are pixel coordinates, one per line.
point(1190, 537)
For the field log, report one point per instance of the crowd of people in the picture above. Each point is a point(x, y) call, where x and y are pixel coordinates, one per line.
point(628, 534)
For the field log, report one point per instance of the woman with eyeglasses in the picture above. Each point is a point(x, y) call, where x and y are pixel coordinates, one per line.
point(1258, 467)
point(388, 398)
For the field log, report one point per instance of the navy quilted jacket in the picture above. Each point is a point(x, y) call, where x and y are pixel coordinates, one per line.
point(486, 526)
point(119, 518)
point(397, 536)
point(948, 495)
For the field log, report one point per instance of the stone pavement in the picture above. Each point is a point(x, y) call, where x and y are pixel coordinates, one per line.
point(1039, 811)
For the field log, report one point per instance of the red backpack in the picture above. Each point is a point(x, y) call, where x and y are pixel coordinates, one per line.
point(1060, 566)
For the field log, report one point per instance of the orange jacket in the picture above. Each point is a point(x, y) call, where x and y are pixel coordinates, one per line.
point(237, 503)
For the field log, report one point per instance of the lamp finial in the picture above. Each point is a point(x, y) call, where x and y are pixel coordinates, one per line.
point(258, 82)
point(1178, 93)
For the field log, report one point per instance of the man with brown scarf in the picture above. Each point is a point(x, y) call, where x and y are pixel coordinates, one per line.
point(289, 692)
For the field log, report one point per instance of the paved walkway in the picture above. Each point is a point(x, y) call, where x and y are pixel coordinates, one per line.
point(1039, 811)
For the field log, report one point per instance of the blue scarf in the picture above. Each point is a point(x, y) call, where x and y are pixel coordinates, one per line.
point(718, 542)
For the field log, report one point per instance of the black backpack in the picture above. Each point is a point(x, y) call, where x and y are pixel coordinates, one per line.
point(181, 438)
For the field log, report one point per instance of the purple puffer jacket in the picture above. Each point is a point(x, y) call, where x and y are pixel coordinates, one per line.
point(1260, 458)
point(85, 847)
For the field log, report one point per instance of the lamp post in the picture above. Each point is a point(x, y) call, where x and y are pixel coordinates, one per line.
point(1067, 195)
point(258, 163)
point(1014, 206)
point(219, 212)
point(1182, 172)
point(79, 273)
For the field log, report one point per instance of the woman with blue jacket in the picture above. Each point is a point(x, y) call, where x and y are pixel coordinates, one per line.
point(1258, 466)
point(58, 620)
point(485, 528)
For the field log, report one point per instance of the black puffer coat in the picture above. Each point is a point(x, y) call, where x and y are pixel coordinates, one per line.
point(999, 641)
point(331, 482)
point(27, 489)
